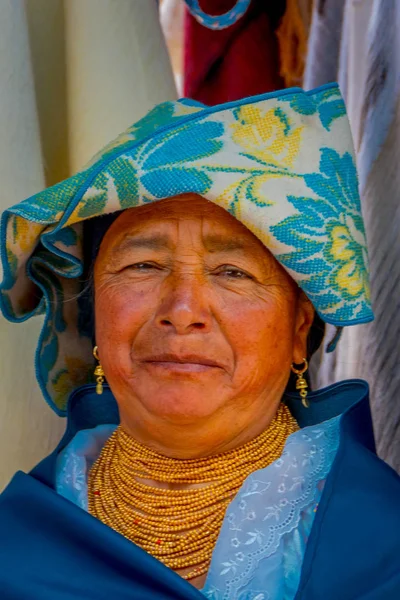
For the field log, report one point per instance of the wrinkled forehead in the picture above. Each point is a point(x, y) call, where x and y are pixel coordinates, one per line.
point(164, 222)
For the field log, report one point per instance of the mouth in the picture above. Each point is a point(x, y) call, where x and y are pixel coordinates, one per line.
point(189, 363)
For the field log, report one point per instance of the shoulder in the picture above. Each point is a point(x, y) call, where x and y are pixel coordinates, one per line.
point(354, 546)
point(362, 491)
point(364, 479)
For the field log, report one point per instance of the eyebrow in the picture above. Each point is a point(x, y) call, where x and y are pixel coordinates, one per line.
point(219, 243)
point(213, 243)
point(151, 242)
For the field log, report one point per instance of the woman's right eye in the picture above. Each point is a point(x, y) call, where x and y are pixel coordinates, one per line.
point(142, 266)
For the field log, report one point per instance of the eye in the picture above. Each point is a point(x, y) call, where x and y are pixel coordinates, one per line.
point(233, 272)
point(142, 266)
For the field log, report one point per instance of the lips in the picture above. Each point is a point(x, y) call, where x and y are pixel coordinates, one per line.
point(186, 359)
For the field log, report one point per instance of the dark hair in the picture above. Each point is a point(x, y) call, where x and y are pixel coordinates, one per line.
point(93, 233)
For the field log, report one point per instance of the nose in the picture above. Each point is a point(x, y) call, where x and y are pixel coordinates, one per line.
point(184, 308)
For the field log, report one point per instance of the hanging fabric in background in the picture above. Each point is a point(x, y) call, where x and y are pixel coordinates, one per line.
point(324, 43)
point(234, 62)
point(292, 37)
point(382, 84)
point(172, 14)
point(363, 37)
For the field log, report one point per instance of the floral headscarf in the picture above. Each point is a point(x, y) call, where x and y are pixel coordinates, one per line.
point(282, 163)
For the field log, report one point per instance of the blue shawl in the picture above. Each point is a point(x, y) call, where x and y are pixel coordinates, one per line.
point(50, 549)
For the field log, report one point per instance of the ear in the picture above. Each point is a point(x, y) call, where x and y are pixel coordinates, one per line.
point(304, 320)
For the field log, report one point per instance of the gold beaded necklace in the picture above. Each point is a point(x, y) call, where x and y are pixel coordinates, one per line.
point(178, 526)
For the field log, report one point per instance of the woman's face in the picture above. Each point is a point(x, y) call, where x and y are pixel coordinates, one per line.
point(197, 324)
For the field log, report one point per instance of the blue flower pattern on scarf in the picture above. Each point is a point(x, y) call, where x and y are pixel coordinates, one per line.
point(335, 269)
point(329, 108)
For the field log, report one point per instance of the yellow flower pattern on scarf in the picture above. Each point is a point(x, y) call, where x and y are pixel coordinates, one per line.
point(268, 135)
point(350, 276)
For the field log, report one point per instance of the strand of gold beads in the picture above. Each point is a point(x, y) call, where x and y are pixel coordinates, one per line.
point(179, 527)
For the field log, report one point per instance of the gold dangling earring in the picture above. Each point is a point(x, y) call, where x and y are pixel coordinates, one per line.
point(301, 383)
point(98, 372)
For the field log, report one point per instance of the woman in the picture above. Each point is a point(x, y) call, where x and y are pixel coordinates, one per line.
point(193, 467)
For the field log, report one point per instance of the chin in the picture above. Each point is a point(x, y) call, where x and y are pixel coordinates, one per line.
point(181, 404)
point(179, 397)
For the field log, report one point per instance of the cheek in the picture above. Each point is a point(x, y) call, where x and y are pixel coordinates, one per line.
point(262, 337)
point(120, 313)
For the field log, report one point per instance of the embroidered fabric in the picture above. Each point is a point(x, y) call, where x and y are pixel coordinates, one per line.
point(261, 546)
point(76, 460)
point(260, 549)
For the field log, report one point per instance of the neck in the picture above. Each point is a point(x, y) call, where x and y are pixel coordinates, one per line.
point(212, 435)
point(169, 472)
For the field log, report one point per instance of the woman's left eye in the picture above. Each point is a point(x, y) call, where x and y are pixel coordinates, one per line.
point(233, 272)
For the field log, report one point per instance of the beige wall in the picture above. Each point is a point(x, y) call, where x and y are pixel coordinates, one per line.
point(73, 74)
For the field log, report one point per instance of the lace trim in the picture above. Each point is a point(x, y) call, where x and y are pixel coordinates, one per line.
point(76, 460)
point(271, 504)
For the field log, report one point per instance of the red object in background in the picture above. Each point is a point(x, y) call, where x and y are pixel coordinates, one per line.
point(232, 63)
